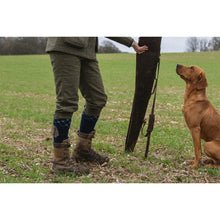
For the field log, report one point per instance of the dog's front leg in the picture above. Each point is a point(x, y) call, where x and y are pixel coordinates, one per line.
point(195, 132)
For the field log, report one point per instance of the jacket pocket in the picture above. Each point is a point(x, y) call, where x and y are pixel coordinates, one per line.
point(78, 42)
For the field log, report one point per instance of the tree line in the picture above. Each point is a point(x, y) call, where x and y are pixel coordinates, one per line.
point(37, 45)
point(195, 44)
point(22, 45)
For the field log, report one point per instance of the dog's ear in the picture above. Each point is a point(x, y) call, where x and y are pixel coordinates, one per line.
point(202, 81)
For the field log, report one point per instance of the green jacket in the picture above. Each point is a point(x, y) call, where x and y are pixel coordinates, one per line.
point(85, 47)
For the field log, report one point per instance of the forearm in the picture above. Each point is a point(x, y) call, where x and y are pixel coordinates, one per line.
point(130, 42)
point(127, 41)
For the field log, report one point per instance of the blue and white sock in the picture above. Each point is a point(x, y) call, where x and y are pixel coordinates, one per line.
point(61, 129)
point(87, 123)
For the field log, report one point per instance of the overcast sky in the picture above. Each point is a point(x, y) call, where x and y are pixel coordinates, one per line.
point(173, 44)
point(169, 44)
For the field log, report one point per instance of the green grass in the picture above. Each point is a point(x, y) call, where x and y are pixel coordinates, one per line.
point(27, 96)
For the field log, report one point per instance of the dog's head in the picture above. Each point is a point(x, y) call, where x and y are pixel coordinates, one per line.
point(192, 75)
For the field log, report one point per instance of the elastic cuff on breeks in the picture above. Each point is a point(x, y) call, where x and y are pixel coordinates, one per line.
point(62, 115)
point(92, 111)
point(60, 130)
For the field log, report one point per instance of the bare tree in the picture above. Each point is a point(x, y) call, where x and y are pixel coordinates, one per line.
point(204, 44)
point(215, 43)
point(108, 47)
point(192, 44)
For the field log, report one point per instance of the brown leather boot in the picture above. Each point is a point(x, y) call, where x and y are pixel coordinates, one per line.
point(84, 152)
point(62, 162)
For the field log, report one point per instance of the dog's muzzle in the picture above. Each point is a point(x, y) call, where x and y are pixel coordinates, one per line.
point(177, 67)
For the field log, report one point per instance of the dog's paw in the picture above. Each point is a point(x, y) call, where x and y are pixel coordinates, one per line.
point(189, 162)
point(210, 166)
point(192, 163)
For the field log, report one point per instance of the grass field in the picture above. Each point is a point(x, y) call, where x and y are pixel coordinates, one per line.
point(27, 102)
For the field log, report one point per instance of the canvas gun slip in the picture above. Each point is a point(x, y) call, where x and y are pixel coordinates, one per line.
point(146, 67)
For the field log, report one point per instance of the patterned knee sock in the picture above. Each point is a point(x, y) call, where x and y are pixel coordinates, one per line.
point(88, 123)
point(61, 129)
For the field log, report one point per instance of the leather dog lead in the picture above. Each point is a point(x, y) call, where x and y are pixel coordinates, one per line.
point(151, 119)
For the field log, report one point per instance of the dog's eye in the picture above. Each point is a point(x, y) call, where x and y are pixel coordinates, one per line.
point(192, 68)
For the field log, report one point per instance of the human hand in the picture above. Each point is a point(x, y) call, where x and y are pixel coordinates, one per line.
point(139, 49)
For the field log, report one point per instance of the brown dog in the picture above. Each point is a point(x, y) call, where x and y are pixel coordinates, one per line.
point(201, 117)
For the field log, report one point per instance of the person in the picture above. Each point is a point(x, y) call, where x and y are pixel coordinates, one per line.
point(75, 67)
